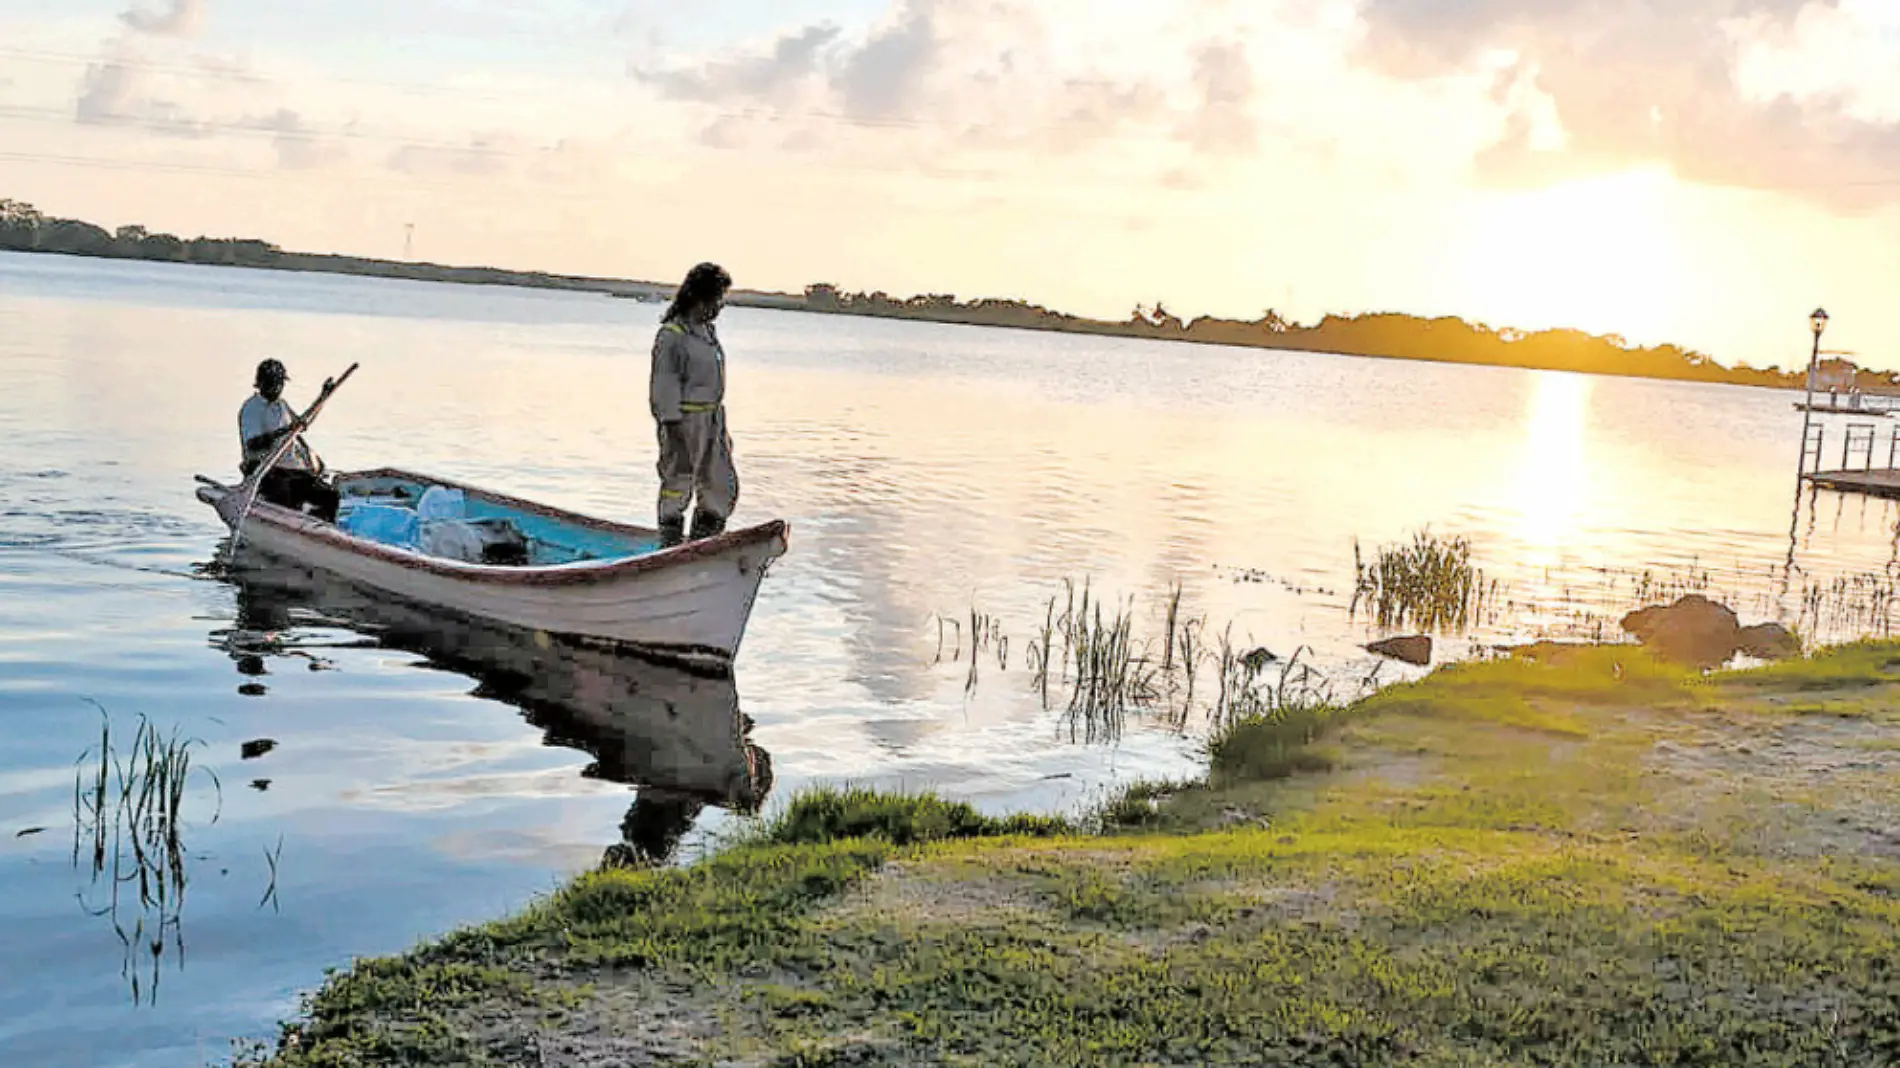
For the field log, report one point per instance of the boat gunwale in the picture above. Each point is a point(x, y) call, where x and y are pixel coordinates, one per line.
point(580, 573)
point(701, 661)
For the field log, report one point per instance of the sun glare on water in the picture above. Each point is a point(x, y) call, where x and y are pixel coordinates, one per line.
point(1554, 473)
point(1599, 254)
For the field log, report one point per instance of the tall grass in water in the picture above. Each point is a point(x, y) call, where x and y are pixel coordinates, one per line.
point(1251, 689)
point(1107, 671)
point(1863, 604)
point(1430, 584)
point(1821, 610)
point(1087, 657)
point(1112, 671)
point(128, 825)
point(986, 639)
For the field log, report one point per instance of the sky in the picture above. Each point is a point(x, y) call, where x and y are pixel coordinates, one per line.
point(1700, 172)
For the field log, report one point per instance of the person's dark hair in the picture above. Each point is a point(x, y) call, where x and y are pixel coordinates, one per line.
point(270, 371)
point(703, 283)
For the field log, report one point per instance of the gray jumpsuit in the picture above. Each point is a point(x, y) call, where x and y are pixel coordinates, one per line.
point(687, 397)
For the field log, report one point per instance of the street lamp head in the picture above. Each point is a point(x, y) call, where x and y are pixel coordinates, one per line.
point(1819, 319)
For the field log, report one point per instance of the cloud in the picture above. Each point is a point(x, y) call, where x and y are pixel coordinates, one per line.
point(883, 78)
point(1632, 82)
point(184, 19)
point(123, 89)
point(482, 155)
point(229, 70)
point(116, 89)
point(106, 92)
point(792, 59)
point(1086, 111)
point(1223, 123)
point(296, 144)
point(933, 76)
point(113, 92)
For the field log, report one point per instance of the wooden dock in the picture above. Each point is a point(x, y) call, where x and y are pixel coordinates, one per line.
point(1876, 482)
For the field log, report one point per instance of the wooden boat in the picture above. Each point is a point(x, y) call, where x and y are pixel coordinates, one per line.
point(584, 579)
point(651, 725)
point(674, 734)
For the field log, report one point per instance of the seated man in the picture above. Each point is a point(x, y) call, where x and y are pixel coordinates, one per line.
point(295, 481)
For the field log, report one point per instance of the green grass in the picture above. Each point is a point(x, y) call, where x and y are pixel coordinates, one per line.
point(1554, 693)
point(1843, 667)
point(830, 814)
point(1497, 865)
point(1272, 746)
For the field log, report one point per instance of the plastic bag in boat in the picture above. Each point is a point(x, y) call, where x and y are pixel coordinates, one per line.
point(452, 539)
point(477, 541)
point(441, 502)
point(445, 531)
point(381, 523)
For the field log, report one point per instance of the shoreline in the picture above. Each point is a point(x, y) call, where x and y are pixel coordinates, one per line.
point(1392, 336)
point(1574, 852)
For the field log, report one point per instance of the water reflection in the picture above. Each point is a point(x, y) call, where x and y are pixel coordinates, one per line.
point(130, 800)
point(1553, 473)
point(676, 735)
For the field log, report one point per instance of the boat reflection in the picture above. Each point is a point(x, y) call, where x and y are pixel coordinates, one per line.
point(675, 734)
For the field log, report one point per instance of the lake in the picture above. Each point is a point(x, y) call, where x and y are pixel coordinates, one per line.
point(422, 780)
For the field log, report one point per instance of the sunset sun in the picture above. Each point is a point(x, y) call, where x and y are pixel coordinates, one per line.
point(1599, 254)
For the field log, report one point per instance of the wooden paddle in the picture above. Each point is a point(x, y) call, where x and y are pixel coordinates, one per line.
point(254, 482)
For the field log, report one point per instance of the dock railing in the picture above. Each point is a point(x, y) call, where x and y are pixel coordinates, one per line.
point(1860, 437)
point(1854, 402)
point(1857, 472)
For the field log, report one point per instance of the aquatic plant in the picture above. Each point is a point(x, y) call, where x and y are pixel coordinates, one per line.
point(1088, 658)
point(1112, 672)
point(1271, 745)
point(128, 825)
point(1430, 584)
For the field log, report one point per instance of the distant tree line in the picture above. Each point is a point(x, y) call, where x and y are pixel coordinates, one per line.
point(23, 228)
point(1390, 335)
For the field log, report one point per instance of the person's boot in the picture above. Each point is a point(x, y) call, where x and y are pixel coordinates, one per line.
point(707, 526)
point(672, 532)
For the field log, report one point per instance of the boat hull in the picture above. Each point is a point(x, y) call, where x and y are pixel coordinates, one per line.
point(690, 603)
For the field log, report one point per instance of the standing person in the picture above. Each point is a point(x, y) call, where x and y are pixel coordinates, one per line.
point(295, 482)
point(687, 396)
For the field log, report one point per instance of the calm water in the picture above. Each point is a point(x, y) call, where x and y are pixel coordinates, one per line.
point(925, 469)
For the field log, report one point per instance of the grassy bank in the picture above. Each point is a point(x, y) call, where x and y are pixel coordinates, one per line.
point(1578, 857)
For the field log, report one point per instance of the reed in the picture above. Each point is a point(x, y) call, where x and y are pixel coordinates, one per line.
point(1845, 607)
point(1113, 674)
point(1168, 630)
point(1859, 605)
point(1087, 658)
point(1088, 655)
point(1430, 584)
point(1188, 668)
point(986, 637)
point(271, 858)
point(128, 822)
point(1039, 654)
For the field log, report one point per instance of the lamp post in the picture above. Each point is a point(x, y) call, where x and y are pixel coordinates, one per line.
point(1819, 322)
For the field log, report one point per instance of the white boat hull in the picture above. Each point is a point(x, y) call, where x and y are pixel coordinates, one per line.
point(691, 602)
